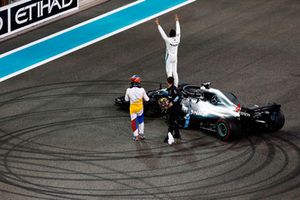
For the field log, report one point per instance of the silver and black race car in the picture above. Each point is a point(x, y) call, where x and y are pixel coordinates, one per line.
point(216, 111)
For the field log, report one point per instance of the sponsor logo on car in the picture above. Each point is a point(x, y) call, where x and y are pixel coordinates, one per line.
point(245, 114)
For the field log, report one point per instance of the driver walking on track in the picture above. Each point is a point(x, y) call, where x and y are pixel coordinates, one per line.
point(172, 43)
point(173, 110)
point(136, 94)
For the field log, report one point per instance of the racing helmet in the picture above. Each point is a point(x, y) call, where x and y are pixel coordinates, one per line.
point(135, 80)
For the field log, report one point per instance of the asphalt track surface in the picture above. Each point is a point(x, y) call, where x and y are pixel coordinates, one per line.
point(63, 138)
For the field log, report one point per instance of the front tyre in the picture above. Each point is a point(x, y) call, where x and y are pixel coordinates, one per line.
point(227, 129)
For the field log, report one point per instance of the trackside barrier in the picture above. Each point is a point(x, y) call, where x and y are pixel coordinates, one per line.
point(27, 13)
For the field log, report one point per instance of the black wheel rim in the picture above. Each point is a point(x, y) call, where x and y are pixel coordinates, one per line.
point(222, 129)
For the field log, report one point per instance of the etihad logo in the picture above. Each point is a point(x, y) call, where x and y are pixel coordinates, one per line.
point(1, 23)
point(40, 9)
point(27, 13)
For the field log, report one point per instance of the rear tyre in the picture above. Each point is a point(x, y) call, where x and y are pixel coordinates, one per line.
point(278, 121)
point(227, 129)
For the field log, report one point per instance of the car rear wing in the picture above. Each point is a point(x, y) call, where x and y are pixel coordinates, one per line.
point(255, 110)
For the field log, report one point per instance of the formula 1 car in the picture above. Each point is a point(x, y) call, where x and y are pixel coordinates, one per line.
point(216, 111)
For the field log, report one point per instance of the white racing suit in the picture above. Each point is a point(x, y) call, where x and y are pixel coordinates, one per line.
point(136, 95)
point(172, 44)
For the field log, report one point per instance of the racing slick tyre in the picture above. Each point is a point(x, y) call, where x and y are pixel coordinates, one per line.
point(278, 122)
point(227, 129)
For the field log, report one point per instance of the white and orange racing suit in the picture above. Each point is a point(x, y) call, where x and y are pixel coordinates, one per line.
point(136, 95)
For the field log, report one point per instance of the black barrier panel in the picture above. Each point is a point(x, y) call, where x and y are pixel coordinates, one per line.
point(35, 10)
point(3, 22)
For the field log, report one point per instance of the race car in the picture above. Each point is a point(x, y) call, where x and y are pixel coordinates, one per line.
point(216, 111)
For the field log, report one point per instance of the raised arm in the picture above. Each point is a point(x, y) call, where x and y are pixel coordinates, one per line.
point(161, 30)
point(177, 26)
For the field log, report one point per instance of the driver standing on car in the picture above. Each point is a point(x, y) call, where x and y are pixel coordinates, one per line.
point(136, 94)
point(173, 110)
point(172, 43)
